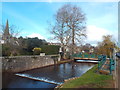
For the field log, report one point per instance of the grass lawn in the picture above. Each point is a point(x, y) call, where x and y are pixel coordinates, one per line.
point(91, 80)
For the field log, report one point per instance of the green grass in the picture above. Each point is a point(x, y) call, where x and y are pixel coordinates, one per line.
point(89, 80)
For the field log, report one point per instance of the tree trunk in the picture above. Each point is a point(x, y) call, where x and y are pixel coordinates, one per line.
point(73, 40)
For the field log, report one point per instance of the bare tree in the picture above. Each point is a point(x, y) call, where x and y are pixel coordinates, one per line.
point(69, 26)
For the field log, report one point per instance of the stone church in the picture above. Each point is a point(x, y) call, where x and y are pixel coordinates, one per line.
point(7, 37)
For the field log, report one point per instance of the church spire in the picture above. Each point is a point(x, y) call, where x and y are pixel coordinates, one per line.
point(6, 35)
point(6, 32)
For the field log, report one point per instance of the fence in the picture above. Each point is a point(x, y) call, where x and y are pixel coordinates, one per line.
point(111, 63)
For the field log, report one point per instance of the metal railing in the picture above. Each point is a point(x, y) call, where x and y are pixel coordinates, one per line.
point(85, 55)
point(102, 60)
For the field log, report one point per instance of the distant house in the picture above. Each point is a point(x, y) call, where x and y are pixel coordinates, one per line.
point(58, 44)
point(87, 48)
point(91, 50)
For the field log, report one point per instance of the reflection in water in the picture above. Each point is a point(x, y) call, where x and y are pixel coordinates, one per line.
point(52, 74)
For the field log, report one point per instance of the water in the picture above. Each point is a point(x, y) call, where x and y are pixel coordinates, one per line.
point(49, 77)
point(28, 83)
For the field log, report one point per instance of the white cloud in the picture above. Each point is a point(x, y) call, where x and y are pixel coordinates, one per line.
point(36, 35)
point(94, 34)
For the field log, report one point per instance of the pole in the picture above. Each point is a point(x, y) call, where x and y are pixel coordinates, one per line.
point(60, 54)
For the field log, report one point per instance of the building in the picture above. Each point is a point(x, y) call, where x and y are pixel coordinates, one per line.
point(87, 48)
point(57, 44)
point(7, 37)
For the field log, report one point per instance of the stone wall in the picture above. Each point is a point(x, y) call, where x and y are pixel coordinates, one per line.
point(22, 63)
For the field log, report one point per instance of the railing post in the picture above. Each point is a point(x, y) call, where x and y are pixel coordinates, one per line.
point(99, 65)
point(110, 66)
point(99, 58)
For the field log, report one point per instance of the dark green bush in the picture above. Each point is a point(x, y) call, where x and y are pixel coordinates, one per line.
point(50, 49)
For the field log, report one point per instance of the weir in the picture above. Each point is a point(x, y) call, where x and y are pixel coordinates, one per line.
point(37, 78)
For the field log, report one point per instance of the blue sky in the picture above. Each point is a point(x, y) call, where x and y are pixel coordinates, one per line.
point(33, 18)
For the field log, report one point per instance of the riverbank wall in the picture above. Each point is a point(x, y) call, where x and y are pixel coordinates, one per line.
point(23, 63)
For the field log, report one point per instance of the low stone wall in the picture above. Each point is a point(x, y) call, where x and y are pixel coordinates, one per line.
point(22, 63)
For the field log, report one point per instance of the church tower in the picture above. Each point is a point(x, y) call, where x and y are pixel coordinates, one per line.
point(6, 34)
